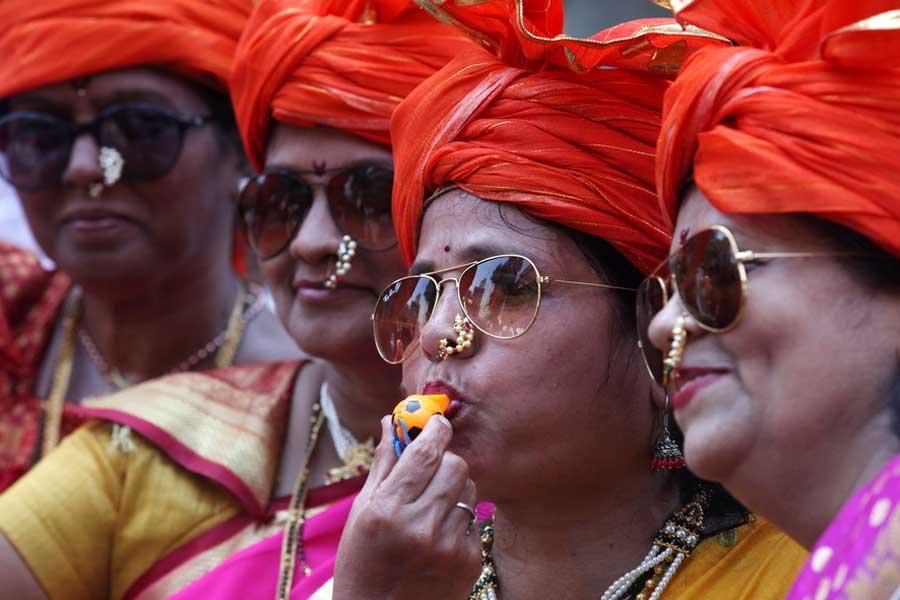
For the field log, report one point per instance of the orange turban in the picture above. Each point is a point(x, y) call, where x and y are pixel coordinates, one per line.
point(546, 125)
point(49, 41)
point(341, 63)
point(802, 117)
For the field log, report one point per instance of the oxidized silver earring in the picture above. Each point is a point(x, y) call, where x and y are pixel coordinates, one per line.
point(346, 252)
point(666, 453)
point(465, 333)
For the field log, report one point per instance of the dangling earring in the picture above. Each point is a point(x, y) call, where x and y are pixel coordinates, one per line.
point(346, 252)
point(111, 163)
point(465, 333)
point(676, 351)
point(666, 453)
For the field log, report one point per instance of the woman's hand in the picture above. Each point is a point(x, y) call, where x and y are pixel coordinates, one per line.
point(405, 537)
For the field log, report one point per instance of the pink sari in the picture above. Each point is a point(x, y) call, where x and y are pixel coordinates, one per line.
point(252, 574)
point(858, 556)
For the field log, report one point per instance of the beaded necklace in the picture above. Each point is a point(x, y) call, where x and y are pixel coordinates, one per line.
point(672, 545)
point(62, 369)
point(292, 551)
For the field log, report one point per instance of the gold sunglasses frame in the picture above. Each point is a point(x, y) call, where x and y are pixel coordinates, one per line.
point(741, 257)
point(542, 280)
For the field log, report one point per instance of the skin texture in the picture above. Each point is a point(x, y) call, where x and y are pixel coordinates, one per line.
point(807, 374)
point(562, 530)
point(333, 326)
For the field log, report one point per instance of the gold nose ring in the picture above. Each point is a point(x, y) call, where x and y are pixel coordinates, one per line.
point(465, 333)
point(676, 350)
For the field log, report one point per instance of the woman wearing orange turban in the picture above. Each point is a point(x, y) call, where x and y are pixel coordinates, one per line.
point(314, 86)
point(524, 200)
point(118, 135)
point(779, 166)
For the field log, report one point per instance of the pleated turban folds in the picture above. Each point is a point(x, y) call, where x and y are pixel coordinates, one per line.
point(49, 41)
point(345, 64)
point(563, 128)
point(803, 116)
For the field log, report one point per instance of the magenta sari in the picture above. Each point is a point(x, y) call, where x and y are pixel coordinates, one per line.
point(858, 556)
point(252, 574)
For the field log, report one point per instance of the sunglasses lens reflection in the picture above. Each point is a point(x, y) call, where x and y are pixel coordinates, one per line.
point(501, 295)
point(361, 203)
point(401, 311)
point(271, 208)
point(708, 278)
point(651, 297)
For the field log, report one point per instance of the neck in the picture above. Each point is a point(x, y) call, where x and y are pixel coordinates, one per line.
point(362, 394)
point(578, 544)
point(803, 498)
point(196, 307)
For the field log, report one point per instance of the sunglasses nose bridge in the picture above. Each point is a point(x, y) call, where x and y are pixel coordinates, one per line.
point(83, 166)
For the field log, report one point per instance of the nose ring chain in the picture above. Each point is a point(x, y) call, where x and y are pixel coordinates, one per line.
point(676, 351)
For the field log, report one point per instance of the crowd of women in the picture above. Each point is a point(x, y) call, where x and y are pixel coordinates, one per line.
point(656, 272)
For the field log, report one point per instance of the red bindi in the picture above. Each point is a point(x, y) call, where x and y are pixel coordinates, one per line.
point(447, 248)
point(319, 168)
point(683, 236)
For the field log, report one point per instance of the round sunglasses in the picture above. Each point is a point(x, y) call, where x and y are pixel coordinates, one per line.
point(500, 296)
point(36, 148)
point(274, 204)
point(709, 276)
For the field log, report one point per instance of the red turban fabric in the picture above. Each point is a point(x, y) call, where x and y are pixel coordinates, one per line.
point(49, 41)
point(537, 119)
point(802, 117)
point(342, 63)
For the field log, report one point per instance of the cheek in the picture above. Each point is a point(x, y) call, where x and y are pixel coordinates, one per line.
point(278, 274)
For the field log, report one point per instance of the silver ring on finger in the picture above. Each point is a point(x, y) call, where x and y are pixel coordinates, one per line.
point(472, 518)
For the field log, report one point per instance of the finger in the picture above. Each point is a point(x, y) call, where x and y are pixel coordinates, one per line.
point(447, 485)
point(458, 518)
point(385, 457)
point(420, 461)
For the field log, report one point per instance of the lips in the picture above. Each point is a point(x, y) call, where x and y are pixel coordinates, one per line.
point(93, 214)
point(690, 380)
point(458, 400)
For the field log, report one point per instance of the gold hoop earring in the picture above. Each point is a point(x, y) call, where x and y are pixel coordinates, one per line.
point(676, 350)
point(465, 333)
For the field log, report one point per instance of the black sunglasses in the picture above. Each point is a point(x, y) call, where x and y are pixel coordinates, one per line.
point(274, 204)
point(35, 148)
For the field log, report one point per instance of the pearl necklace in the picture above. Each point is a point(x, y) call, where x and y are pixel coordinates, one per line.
point(239, 318)
point(672, 545)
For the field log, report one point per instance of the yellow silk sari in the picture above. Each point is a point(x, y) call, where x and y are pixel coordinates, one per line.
point(170, 478)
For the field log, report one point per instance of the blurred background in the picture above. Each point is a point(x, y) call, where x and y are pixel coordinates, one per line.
point(586, 17)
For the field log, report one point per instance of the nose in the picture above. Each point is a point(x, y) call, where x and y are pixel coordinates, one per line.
point(660, 330)
point(84, 165)
point(318, 237)
point(441, 326)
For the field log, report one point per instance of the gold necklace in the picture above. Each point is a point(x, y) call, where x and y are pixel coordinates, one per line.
point(292, 551)
point(62, 369)
point(672, 545)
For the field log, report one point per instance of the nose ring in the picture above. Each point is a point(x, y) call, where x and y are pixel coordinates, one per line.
point(465, 333)
point(346, 252)
point(676, 350)
point(111, 163)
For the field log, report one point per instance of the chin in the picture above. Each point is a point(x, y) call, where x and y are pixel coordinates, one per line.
point(713, 451)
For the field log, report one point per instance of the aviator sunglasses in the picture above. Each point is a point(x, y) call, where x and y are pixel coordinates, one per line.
point(499, 295)
point(274, 204)
point(36, 148)
point(709, 275)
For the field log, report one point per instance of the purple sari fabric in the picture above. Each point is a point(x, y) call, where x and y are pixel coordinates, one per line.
point(858, 556)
